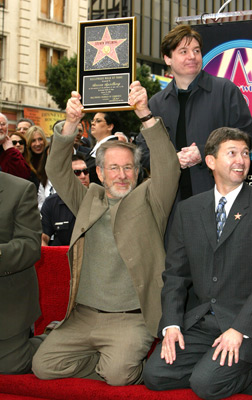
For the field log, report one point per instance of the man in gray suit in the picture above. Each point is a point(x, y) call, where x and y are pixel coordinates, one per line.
point(20, 239)
point(116, 253)
point(209, 346)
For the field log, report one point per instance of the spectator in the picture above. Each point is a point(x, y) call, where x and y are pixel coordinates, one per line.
point(103, 128)
point(23, 125)
point(11, 160)
point(118, 252)
point(57, 220)
point(45, 186)
point(208, 347)
point(194, 104)
point(78, 142)
point(85, 142)
point(20, 238)
point(37, 143)
point(197, 104)
point(19, 142)
point(122, 136)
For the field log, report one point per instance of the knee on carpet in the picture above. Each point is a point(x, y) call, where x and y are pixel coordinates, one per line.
point(203, 386)
point(37, 368)
point(149, 378)
point(13, 369)
point(120, 376)
point(44, 367)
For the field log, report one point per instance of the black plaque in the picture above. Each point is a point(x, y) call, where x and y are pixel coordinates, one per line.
point(106, 63)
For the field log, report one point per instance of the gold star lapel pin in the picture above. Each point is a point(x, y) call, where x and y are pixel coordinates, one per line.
point(238, 216)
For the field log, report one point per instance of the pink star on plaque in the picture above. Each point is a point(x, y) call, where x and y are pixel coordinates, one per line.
point(106, 47)
point(238, 216)
point(240, 78)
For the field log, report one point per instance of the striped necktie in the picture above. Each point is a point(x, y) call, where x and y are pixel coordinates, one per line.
point(220, 217)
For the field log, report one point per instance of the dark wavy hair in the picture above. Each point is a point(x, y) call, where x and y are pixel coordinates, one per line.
point(222, 135)
point(171, 41)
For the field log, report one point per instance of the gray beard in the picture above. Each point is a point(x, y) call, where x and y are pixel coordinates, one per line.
point(116, 193)
point(2, 137)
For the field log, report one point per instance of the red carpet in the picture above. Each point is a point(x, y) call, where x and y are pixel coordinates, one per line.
point(54, 277)
point(85, 389)
point(18, 397)
point(54, 283)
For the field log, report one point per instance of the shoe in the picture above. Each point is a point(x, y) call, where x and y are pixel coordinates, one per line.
point(50, 327)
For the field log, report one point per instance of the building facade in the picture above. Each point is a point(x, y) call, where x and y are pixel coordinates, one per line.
point(34, 33)
point(155, 18)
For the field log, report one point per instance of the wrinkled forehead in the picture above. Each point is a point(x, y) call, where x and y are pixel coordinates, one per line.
point(24, 124)
point(119, 155)
point(78, 164)
point(2, 118)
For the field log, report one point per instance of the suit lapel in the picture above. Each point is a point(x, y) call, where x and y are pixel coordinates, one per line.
point(88, 214)
point(98, 208)
point(238, 211)
point(207, 214)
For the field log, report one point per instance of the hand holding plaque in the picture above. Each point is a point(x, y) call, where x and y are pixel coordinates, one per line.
point(106, 63)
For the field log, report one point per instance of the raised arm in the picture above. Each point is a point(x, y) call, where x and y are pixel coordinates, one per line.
point(164, 164)
point(59, 162)
point(138, 98)
point(74, 113)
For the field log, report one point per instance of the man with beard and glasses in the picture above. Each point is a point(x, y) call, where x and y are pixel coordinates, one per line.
point(11, 160)
point(116, 252)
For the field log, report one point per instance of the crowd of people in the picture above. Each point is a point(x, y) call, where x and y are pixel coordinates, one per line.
point(167, 255)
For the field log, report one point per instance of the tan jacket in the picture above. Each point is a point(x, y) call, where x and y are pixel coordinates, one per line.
point(138, 220)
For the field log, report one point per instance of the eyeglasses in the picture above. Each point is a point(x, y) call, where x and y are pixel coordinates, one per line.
point(97, 120)
point(23, 128)
point(15, 142)
point(117, 168)
point(3, 124)
point(79, 171)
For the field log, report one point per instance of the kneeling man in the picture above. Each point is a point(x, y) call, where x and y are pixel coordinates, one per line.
point(209, 347)
point(116, 252)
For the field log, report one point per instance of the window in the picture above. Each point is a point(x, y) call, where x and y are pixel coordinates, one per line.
point(109, 9)
point(2, 44)
point(47, 56)
point(53, 9)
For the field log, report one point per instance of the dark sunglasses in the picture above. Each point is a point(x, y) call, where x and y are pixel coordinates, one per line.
point(14, 142)
point(79, 171)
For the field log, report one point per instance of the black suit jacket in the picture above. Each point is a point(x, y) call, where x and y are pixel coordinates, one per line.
point(214, 102)
point(220, 273)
